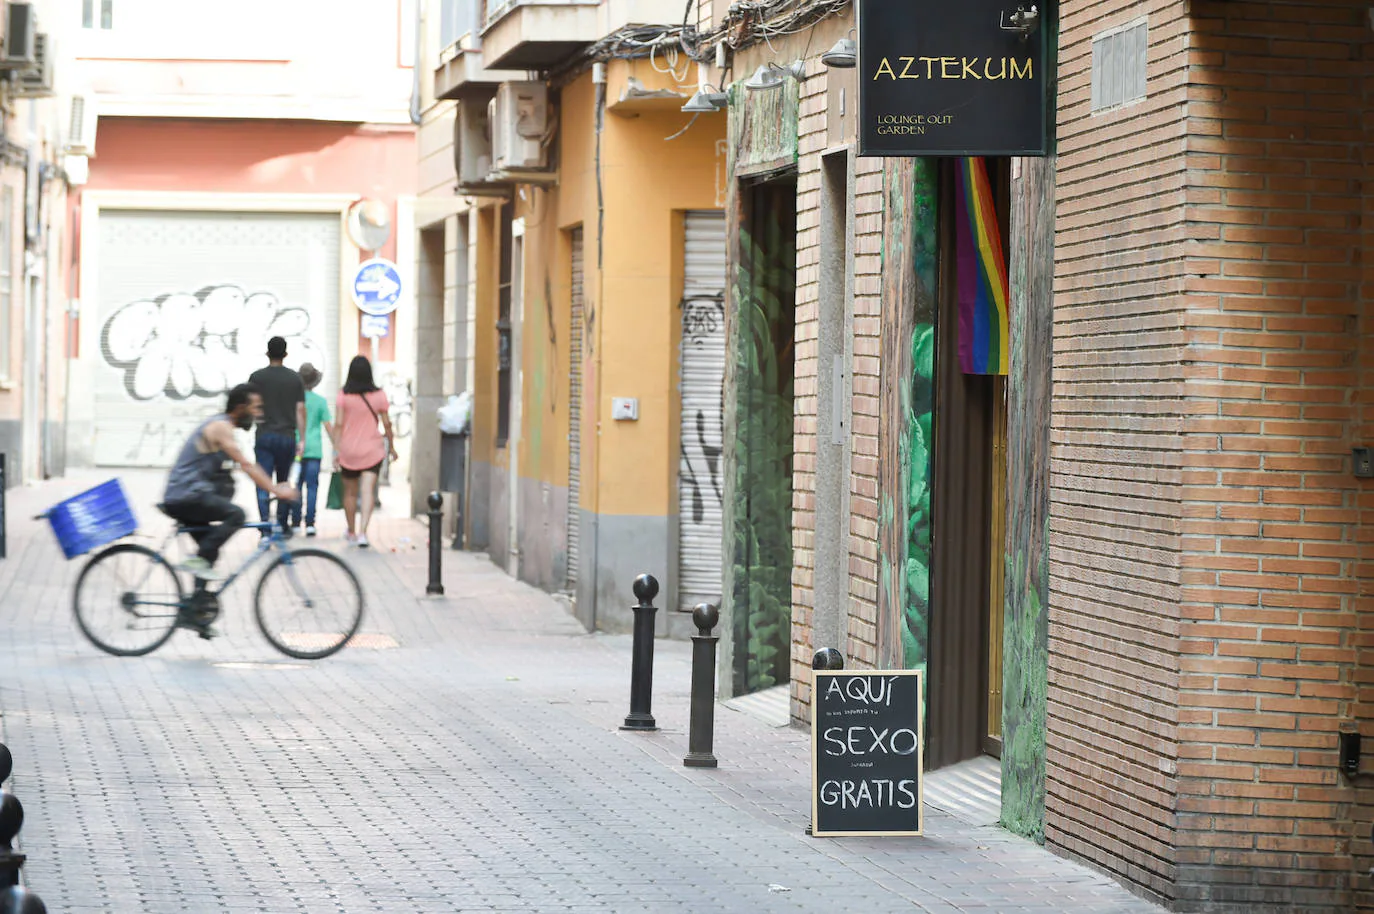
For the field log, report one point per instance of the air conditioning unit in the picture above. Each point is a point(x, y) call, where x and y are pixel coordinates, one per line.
point(36, 81)
point(471, 141)
point(519, 122)
point(21, 29)
point(81, 126)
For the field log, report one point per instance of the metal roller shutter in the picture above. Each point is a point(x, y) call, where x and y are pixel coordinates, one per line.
point(700, 475)
point(186, 304)
point(575, 409)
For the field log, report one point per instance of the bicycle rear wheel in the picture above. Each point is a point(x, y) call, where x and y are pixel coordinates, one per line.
point(308, 603)
point(127, 599)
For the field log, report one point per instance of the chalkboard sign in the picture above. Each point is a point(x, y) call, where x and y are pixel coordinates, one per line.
point(866, 750)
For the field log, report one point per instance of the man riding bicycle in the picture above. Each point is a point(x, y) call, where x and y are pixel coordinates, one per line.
point(200, 486)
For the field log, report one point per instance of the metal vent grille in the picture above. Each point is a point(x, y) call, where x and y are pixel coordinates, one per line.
point(1119, 59)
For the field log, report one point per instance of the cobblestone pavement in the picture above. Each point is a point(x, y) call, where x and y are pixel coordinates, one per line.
point(475, 765)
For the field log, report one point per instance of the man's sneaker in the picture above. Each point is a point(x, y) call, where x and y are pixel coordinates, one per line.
point(362, 540)
point(310, 530)
point(351, 538)
point(201, 569)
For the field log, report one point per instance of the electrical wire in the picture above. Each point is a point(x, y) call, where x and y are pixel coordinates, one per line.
point(747, 22)
point(684, 129)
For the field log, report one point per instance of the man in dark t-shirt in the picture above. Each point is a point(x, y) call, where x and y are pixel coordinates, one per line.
point(281, 430)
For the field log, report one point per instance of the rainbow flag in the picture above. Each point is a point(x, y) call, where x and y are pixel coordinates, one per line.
point(984, 336)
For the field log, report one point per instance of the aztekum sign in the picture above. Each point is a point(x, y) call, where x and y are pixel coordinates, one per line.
point(951, 79)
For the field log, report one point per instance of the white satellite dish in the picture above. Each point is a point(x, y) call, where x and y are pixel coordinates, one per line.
point(369, 224)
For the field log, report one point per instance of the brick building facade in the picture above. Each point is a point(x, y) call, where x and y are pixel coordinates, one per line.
point(1183, 614)
point(1205, 533)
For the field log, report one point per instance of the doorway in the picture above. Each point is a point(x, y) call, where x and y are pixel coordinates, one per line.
point(761, 550)
point(575, 337)
point(700, 479)
point(970, 471)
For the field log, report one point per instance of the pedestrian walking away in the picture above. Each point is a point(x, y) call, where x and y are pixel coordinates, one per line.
point(281, 429)
point(200, 486)
point(360, 447)
point(317, 417)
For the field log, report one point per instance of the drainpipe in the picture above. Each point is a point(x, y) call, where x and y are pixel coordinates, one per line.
point(599, 80)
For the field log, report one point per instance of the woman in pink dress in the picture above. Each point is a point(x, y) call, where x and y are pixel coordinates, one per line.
point(360, 447)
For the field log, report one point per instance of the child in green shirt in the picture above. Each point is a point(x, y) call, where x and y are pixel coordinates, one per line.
point(316, 417)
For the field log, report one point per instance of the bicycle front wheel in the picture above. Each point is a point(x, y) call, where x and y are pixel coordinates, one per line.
point(127, 599)
point(308, 603)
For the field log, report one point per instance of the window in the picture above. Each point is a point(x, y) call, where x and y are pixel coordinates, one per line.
point(105, 9)
point(456, 19)
point(6, 299)
point(503, 337)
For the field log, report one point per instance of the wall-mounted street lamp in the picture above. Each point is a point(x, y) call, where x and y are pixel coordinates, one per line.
point(704, 102)
point(844, 54)
point(769, 76)
point(1022, 21)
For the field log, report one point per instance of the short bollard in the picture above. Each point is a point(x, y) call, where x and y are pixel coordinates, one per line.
point(436, 544)
point(827, 658)
point(14, 898)
point(699, 733)
point(642, 660)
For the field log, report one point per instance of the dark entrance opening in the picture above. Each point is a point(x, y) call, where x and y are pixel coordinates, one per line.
point(964, 666)
point(761, 550)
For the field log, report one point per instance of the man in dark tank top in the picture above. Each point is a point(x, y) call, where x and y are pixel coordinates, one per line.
point(200, 486)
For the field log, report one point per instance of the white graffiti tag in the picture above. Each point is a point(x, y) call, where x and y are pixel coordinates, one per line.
point(183, 345)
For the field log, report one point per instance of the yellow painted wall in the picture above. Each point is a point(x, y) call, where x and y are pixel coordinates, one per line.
point(632, 314)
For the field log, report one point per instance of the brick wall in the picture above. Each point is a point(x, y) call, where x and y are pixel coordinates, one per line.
point(863, 500)
point(860, 645)
point(1116, 479)
point(1363, 812)
point(1271, 516)
point(810, 138)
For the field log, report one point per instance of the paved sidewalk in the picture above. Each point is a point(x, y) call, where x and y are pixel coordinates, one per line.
point(464, 757)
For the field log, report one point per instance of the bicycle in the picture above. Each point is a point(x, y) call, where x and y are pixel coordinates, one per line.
point(149, 605)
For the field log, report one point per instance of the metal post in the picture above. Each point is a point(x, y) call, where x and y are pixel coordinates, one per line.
point(4, 521)
point(827, 658)
point(14, 898)
point(642, 662)
point(699, 733)
point(436, 544)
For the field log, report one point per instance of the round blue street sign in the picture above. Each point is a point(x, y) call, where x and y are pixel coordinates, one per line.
point(377, 286)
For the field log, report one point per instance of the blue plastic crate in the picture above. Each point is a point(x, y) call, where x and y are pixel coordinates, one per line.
point(92, 519)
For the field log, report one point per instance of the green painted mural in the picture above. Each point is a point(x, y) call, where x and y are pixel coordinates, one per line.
point(920, 412)
point(907, 414)
point(764, 296)
point(1025, 638)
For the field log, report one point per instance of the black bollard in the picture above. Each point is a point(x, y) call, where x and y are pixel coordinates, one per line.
point(14, 898)
point(699, 733)
point(436, 544)
point(642, 662)
point(827, 658)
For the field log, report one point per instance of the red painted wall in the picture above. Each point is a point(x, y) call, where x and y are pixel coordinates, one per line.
point(191, 155)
